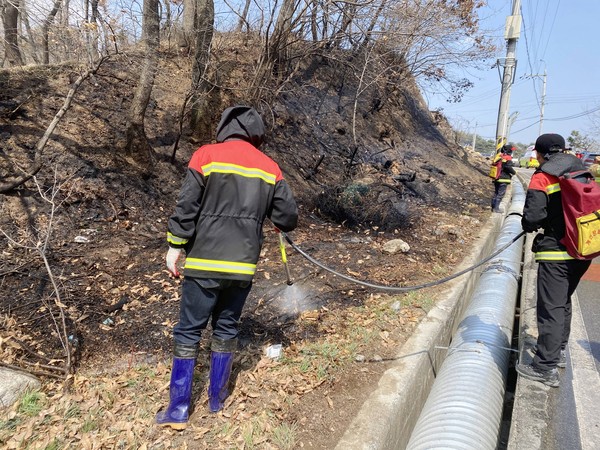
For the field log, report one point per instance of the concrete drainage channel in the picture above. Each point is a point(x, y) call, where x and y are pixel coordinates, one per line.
point(447, 387)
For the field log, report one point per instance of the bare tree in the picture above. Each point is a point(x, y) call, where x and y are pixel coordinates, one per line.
point(46, 29)
point(137, 144)
point(200, 119)
point(435, 38)
point(39, 240)
point(281, 32)
point(10, 21)
point(244, 18)
point(24, 17)
point(94, 31)
point(187, 37)
point(348, 15)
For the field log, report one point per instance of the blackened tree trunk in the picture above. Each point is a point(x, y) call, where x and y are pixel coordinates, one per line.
point(201, 110)
point(137, 144)
point(10, 20)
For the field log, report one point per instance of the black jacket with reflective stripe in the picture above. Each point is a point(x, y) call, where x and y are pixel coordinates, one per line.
point(543, 207)
point(229, 189)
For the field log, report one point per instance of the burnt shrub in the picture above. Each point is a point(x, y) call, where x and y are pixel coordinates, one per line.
point(355, 204)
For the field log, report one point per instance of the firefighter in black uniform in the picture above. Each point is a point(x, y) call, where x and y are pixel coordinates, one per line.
point(558, 273)
point(229, 190)
point(501, 184)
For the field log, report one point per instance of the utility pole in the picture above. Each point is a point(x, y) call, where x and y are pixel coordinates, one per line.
point(542, 104)
point(543, 76)
point(511, 34)
point(474, 136)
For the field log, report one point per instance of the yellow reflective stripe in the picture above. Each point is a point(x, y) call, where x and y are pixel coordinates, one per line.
point(552, 188)
point(172, 239)
point(503, 180)
point(555, 255)
point(249, 172)
point(212, 265)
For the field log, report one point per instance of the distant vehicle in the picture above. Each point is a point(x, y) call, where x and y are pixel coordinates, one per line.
point(529, 159)
point(588, 158)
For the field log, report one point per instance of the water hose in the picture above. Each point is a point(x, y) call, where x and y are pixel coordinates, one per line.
point(284, 259)
point(380, 286)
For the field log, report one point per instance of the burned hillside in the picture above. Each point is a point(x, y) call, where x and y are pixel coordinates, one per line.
point(365, 168)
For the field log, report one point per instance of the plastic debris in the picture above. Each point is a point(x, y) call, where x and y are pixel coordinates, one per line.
point(274, 351)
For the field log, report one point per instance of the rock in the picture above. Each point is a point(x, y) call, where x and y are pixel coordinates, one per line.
point(13, 384)
point(396, 306)
point(360, 358)
point(395, 246)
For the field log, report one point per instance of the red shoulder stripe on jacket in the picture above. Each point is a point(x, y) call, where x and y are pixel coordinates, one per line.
point(541, 180)
point(238, 153)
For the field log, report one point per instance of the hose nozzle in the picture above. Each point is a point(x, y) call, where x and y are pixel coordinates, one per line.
point(284, 259)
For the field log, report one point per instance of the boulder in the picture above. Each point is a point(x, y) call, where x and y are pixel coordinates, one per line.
point(13, 384)
point(395, 246)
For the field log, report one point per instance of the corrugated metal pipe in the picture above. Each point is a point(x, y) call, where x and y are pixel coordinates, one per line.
point(464, 407)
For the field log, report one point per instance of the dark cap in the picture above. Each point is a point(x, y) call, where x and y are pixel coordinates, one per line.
point(507, 149)
point(549, 143)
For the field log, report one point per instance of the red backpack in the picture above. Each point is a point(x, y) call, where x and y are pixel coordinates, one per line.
point(580, 196)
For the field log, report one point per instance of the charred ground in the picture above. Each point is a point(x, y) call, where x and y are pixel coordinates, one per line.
point(393, 173)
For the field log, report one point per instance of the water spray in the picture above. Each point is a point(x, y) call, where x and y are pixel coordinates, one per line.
point(284, 258)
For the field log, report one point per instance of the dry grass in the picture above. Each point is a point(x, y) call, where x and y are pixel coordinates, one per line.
point(116, 409)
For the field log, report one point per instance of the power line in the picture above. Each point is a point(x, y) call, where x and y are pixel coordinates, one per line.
point(551, 28)
point(576, 116)
point(559, 119)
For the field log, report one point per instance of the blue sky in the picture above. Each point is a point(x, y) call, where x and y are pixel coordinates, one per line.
point(559, 36)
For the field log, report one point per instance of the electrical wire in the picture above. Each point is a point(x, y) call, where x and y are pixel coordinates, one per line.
point(559, 119)
point(401, 288)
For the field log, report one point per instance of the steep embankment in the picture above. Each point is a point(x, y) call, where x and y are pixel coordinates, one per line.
point(376, 161)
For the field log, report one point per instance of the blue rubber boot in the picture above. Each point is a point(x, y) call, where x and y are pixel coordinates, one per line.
point(221, 360)
point(180, 390)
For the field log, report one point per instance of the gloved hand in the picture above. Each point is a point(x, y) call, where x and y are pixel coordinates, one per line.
point(173, 256)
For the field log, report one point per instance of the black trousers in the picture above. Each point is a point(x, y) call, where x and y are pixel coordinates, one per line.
point(556, 283)
point(499, 191)
point(220, 300)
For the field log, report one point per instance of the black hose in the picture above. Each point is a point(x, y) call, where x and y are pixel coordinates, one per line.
point(402, 288)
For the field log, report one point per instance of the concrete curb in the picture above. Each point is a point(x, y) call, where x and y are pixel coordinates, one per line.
point(386, 419)
point(586, 381)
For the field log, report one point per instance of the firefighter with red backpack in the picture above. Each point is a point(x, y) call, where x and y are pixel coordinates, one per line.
point(559, 268)
point(502, 172)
